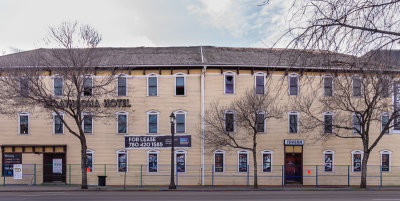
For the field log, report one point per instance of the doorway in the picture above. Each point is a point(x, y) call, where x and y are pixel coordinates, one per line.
point(293, 165)
point(54, 167)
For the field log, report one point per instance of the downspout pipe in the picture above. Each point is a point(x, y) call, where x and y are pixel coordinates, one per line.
point(203, 72)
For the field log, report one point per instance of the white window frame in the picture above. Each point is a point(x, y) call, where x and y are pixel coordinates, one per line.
point(234, 120)
point(223, 161)
point(333, 159)
point(153, 151)
point(352, 85)
point(127, 121)
point(83, 121)
point(83, 87)
point(19, 123)
point(333, 90)
point(298, 83)
point(54, 123)
point(352, 122)
point(298, 117)
point(54, 84)
point(123, 151)
point(179, 151)
point(266, 151)
point(152, 112)
point(382, 115)
point(126, 84)
point(265, 120)
point(176, 75)
point(333, 120)
point(233, 74)
point(259, 74)
point(180, 112)
point(390, 159)
point(90, 151)
point(153, 75)
point(242, 151)
point(357, 151)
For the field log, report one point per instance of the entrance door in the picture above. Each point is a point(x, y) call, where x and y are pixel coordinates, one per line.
point(54, 168)
point(293, 168)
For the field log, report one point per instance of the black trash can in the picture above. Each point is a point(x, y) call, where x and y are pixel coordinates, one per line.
point(102, 181)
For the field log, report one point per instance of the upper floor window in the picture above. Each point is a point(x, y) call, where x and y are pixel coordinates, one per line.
point(229, 121)
point(24, 87)
point(328, 122)
point(122, 86)
point(152, 161)
point(87, 86)
point(180, 126)
point(293, 84)
point(58, 126)
point(23, 121)
point(122, 122)
point(219, 161)
point(293, 122)
point(88, 123)
point(152, 85)
point(260, 121)
point(329, 157)
point(386, 160)
point(328, 86)
point(356, 86)
point(229, 83)
point(180, 84)
point(384, 122)
point(122, 159)
point(58, 86)
point(89, 160)
point(357, 156)
point(152, 121)
point(357, 123)
point(266, 160)
point(384, 86)
point(243, 160)
point(260, 83)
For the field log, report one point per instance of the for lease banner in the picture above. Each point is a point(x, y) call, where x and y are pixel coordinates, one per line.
point(156, 141)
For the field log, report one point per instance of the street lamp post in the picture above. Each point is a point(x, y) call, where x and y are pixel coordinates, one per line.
point(172, 182)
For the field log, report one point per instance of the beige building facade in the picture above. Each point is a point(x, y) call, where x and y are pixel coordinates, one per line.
point(133, 146)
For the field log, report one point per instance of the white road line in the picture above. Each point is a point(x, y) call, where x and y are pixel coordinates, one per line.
point(385, 199)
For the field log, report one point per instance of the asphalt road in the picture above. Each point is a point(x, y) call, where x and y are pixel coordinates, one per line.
point(222, 195)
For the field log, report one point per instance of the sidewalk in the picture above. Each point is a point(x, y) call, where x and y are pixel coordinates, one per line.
point(62, 188)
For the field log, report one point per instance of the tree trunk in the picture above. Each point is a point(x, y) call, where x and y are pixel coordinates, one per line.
point(83, 162)
point(255, 169)
point(364, 166)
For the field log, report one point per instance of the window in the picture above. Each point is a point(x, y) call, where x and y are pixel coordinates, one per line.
point(229, 121)
point(219, 161)
point(328, 160)
point(243, 160)
point(386, 160)
point(293, 85)
point(122, 159)
point(357, 156)
point(356, 123)
point(180, 122)
point(260, 83)
point(384, 122)
point(58, 86)
point(152, 82)
point(180, 157)
point(266, 160)
point(180, 85)
point(152, 158)
point(260, 122)
point(122, 118)
point(152, 119)
point(384, 86)
point(89, 160)
point(229, 83)
point(58, 126)
point(328, 122)
point(356, 86)
point(24, 87)
point(87, 86)
point(122, 86)
point(293, 122)
point(328, 86)
point(23, 119)
point(88, 123)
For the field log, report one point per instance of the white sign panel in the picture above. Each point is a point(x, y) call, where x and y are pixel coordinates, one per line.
point(294, 142)
point(17, 171)
point(396, 105)
point(57, 165)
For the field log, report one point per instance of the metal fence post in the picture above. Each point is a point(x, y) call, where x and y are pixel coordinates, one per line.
point(141, 176)
point(34, 174)
point(212, 175)
point(4, 175)
point(69, 167)
point(248, 175)
point(282, 171)
point(381, 175)
point(105, 169)
point(176, 174)
point(316, 175)
point(348, 175)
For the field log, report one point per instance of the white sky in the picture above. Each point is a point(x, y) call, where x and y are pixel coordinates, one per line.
point(131, 23)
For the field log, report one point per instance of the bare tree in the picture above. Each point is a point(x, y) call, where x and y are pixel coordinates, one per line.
point(72, 60)
point(238, 124)
point(350, 105)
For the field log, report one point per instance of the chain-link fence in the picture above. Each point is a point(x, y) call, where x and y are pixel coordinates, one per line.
point(228, 174)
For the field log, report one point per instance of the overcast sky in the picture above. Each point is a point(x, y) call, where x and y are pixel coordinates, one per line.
point(131, 23)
